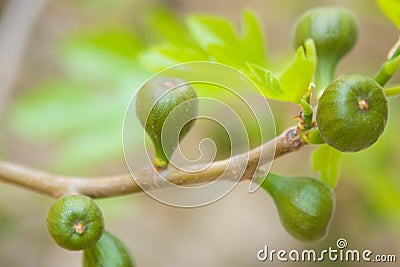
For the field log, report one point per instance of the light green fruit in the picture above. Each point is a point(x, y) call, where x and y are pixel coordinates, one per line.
point(305, 205)
point(109, 251)
point(352, 113)
point(334, 31)
point(154, 102)
point(75, 222)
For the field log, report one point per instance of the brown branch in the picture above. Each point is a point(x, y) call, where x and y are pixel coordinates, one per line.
point(108, 186)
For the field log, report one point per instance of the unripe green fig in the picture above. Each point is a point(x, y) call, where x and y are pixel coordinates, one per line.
point(313, 136)
point(352, 113)
point(108, 251)
point(305, 205)
point(75, 222)
point(334, 31)
point(154, 102)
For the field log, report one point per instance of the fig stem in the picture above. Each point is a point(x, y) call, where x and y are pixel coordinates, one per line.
point(393, 91)
point(270, 183)
point(390, 66)
point(324, 74)
point(395, 50)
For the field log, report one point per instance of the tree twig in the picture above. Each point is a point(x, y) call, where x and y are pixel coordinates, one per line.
point(108, 186)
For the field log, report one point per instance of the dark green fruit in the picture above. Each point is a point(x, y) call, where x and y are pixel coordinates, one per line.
point(108, 251)
point(75, 222)
point(334, 31)
point(154, 102)
point(305, 205)
point(352, 113)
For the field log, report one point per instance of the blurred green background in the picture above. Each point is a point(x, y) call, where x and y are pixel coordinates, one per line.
point(67, 72)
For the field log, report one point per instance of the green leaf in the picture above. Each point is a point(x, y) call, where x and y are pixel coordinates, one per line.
point(50, 111)
point(165, 55)
point(266, 82)
point(226, 55)
point(209, 29)
point(82, 117)
point(215, 39)
point(388, 70)
point(391, 8)
point(298, 76)
point(209, 38)
point(253, 39)
point(327, 160)
point(167, 26)
point(313, 136)
point(293, 83)
point(90, 54)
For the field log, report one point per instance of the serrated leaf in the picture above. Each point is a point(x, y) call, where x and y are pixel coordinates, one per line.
point(326, 160)
point(391, 8)
point(169, 27)
point(291, 85)
point(215, 39)
point(253, 39)
point(226, 55)
point(210, 38)
point(298, 76)
point(266, 81)
point(209, 29)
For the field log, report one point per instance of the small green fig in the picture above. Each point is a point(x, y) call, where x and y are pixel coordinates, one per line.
point(305, 205)
point(352, 113)
point(334, 31)
point(75, 222)
point(154, 102)
point(313, 136)
point(108, 251)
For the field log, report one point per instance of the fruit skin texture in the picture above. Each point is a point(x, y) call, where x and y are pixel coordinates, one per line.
point(305, 205)
point(154, 102)
point(352, 113)
point(75, 222)
point(334, 31)
point(108, 251)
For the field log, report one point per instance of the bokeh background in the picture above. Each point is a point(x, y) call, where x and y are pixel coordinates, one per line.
point(67, 72)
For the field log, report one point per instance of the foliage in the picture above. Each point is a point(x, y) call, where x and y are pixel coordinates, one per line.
point(213, 38)
point(326, 160)
point(391, 8)
point(84, 109)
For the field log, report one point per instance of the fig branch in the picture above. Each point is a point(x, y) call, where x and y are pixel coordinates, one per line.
point(57, 186)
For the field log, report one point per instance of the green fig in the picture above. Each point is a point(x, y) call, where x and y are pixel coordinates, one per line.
point(155, 100)
point(313, 136)
point(305, 205)
point(352, 113)
point(334, 31)
point(75, 222)
point(108, 251)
